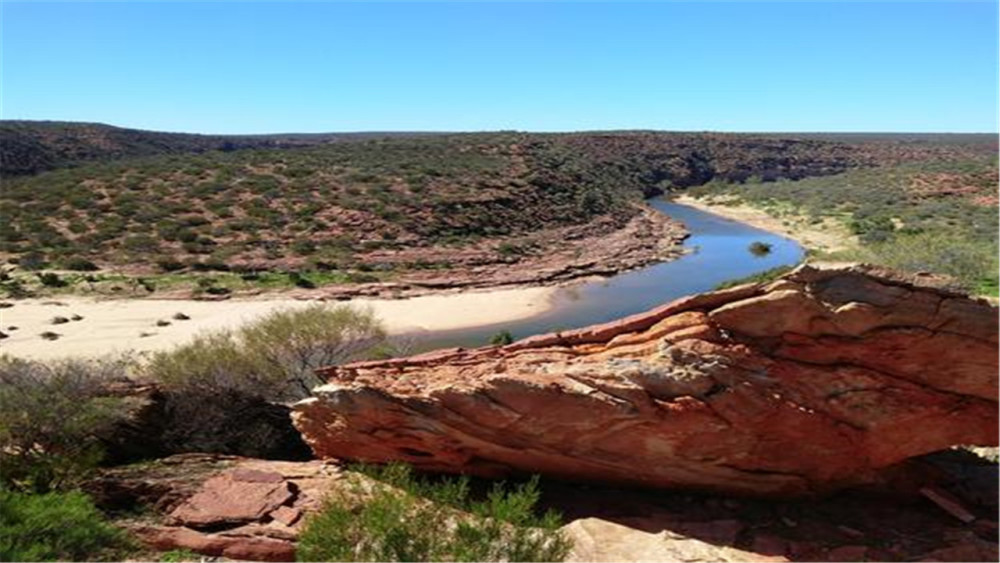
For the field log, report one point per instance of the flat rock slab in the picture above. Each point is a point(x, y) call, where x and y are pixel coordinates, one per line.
point(234, 497)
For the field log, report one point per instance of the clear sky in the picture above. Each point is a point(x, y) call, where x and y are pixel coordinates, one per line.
point(259, 67)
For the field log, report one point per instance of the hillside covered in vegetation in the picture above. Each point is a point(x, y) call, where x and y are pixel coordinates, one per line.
point(158, 203)
point(924, 216)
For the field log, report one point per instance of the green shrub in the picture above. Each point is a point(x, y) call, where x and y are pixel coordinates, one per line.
point(50, 279)
point(56, 527)
point(80, 265)
point(759, 248)
point(404, 518)
point(169, 264)
point(502, 338)
point(50, 417)
point(276, 356)
point(298, 280)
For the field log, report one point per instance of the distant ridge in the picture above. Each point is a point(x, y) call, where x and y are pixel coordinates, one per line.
point(29, 147)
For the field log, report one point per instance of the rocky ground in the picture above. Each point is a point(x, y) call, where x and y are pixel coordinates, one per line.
point(227, 507)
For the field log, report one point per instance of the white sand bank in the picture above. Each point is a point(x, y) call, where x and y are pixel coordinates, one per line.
point(111, 326)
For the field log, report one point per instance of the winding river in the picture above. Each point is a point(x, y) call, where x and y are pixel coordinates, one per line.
point(718, 252)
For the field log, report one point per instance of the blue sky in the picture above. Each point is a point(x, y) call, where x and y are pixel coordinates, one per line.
point(257, 67)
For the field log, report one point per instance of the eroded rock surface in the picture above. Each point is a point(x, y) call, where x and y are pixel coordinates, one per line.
point(819, 380)
point(218, 505)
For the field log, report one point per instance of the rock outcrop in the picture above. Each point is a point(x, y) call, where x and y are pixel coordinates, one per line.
point(822, 379)
point(218, 505)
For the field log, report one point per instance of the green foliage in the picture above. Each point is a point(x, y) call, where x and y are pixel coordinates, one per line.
point(502, 338)
point(760, 277)
point(51, 279)
point(758, 248)
point(179, 556)
point(909, 217)
point(56, 527)
point(79, 264)
point(276, 356)
point(51, 415)
point(404, 518)
point(973, 264)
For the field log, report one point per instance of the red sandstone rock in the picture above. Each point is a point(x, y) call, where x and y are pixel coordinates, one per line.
point(820, 380)
point(238, 547)
point(237, 496)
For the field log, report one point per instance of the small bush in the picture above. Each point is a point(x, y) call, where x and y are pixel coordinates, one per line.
point(56, 527)
point(50, 417)
point(169, 264)
point(80, 265)
point(759, 248)
point(298, 280)
point(502, 338)
point(409, 519)
point(50, 279)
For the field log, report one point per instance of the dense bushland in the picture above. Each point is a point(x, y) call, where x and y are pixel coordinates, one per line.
point(404, 517)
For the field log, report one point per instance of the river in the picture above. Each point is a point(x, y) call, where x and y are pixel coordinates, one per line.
point(718, 252)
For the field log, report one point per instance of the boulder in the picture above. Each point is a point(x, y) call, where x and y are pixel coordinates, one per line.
point(825, 378)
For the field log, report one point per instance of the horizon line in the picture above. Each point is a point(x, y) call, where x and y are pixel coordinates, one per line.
point(474, 131)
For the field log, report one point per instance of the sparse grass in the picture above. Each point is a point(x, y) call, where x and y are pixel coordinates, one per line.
point(406, 518)
point(179, 556)
point(22, 284)
point(761, 277)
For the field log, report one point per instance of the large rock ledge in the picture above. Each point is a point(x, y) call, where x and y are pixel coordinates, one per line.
point(822, 379)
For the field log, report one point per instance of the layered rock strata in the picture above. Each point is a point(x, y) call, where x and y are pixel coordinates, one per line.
point(819, 380)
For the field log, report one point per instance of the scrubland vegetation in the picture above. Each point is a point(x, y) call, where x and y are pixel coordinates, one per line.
point(137, 220)
point(410, 518)
point(61, 421)
point(938, 217)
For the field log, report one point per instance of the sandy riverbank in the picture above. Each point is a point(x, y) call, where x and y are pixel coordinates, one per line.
point(827, 236)
point(110, 326)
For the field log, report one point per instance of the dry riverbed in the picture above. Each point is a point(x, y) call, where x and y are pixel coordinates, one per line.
point(118, 325)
